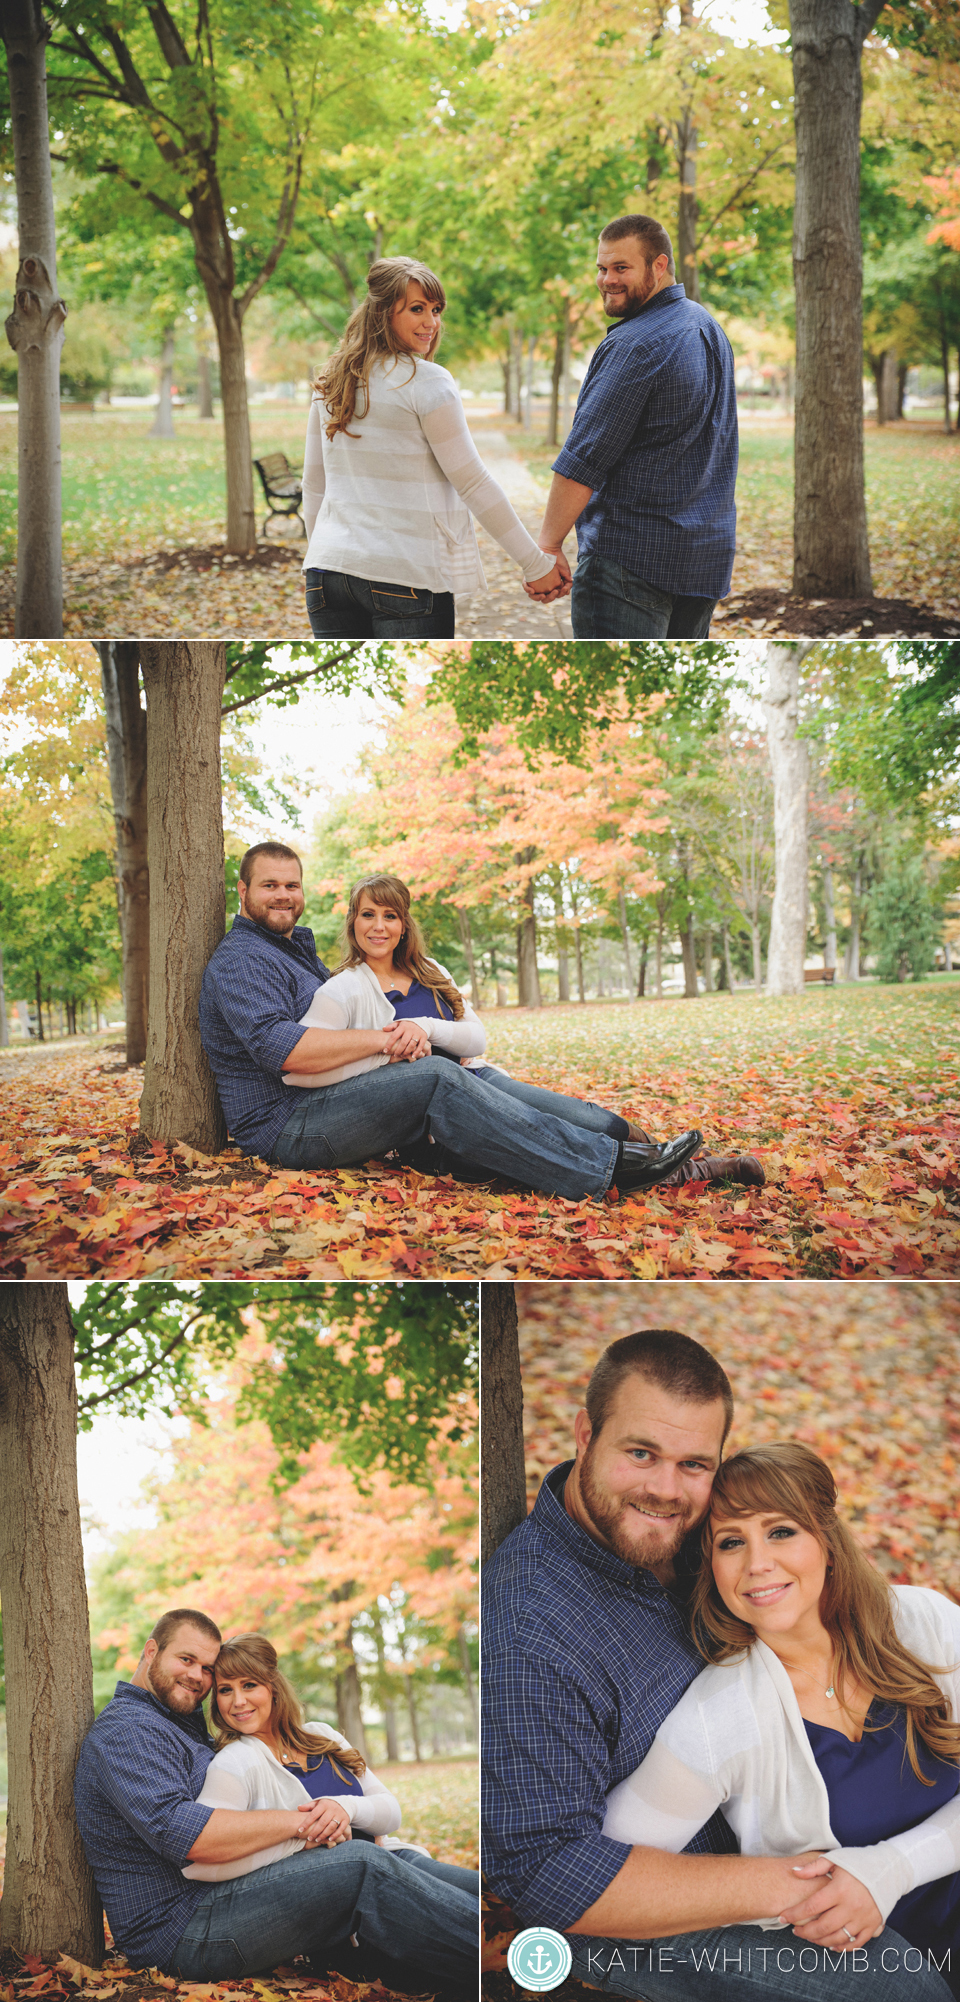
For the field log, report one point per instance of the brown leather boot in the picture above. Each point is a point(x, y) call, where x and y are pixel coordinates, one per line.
point(719, 1168)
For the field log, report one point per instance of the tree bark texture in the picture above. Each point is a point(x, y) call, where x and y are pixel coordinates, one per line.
point(466, 940)
point(686, 260)
point(162, 426)
point(127, 756)
point(238, 460)
point(791, 778)
point(528, 978)
point(50, 1903)
point(831, 554)
point(184, 683)
point(503, 1491)
point(35, 330)
point(204, 385)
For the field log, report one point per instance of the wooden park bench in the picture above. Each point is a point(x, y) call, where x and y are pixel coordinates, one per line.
point(827, 974)
point(282, 487)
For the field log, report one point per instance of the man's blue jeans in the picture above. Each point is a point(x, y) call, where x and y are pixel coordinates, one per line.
point(314, 1901)
point(746, 1964)
point(610, 603)
point(475, 1130)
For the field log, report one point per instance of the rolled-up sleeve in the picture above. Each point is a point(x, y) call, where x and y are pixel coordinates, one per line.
point(544, 1754)
point(152, 1799)
point(611, 403)
point(258, 1011)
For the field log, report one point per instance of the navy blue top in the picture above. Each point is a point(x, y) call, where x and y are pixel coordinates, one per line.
point(655, 436)
point(874, 1793)
point(583, 1658)
point(422, 1001)
point(255, 990)
point(135, 1790)
point(325, 1776)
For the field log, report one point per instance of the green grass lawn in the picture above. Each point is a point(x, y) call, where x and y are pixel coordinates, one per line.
point(439, 1802)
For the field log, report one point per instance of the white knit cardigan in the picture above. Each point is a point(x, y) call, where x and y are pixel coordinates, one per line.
point(393, 502)
point(355, 999)
point(737, 1741)
point(246, 1774)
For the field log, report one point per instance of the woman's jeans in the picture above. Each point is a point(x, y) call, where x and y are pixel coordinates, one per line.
point(315, 1900)
point(343, 607)
point(610, 603)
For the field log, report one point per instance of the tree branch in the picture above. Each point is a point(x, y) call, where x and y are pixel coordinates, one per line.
point(287, 681)
point(116, 1389)
point(129, 1327)
point(868, 14)
point(741, 190)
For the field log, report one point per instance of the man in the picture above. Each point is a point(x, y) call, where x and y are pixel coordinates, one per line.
point(649, 469)
point(140, 1769)
point(586, 1649)
point(256, 989)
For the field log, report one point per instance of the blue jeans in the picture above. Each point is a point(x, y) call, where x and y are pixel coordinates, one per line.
point(447, 1873)
point(576, 1111)
point(315, 1900)
point(344, 607)
point(746, 1964)
point(610, 603)
point(475, 1132)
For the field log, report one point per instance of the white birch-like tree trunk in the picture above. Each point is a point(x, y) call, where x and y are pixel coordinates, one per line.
point(162, 426)
point(35, 330)
point(790, 763)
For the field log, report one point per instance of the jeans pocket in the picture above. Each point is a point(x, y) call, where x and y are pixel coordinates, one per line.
point(212, 1960)
point(315, 598)
point(634, 591)
point(400, 601)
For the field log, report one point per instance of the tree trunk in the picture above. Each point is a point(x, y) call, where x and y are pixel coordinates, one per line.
point(162, 426)
point(708, 960)
point(507, 384)
point(829, 919)
point(414, 1720)
point(851, 960)
point(238, 459)
point(625, 935)
point(468, 1681)
point(757, 955)
point(688, 949)
point(790, 762)
point(50, 1903)
point(727, 963)
point(559, 343)
point(566, 381)
point(348, 1696)
point(503, 1491)
point(35, 330)
point(944, 356)
point(4, 1024)
point(659, 956)
point(184, 686)
point(39, 994)
point(686, 144)
point(204, 384)
point(527, 400)
point(466, 940)
point(889, 383)
point(528, 978)
point(127, 755)
point(831, 554)
point(642, 971)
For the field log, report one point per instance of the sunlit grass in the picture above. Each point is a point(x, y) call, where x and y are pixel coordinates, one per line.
point(439, 1802)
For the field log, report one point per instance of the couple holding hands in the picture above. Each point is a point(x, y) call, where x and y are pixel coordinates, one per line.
point(392, 477)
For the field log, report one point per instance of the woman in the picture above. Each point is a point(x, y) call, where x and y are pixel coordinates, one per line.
point(387, 975)
point(391, 476)
point(828, 1720)
point(267, 1757)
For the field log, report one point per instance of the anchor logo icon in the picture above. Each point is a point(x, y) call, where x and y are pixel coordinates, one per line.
point(539, 1958)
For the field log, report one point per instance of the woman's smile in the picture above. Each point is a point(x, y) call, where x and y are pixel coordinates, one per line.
point(769, 1572)
point(378, 931)
point(246, 1706)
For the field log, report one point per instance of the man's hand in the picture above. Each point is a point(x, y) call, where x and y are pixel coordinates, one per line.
point(556, 583)
point(838, 1913)
point(330, 1826)
point(404, 1042)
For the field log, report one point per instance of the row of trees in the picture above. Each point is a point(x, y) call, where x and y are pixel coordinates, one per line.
point(387, 1374)
point(669, 833)
point(210, 158)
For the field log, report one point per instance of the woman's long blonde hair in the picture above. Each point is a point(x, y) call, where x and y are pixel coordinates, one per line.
point(369, 333)
point(253, 1655)
point(786, 1478)
point(410, 956)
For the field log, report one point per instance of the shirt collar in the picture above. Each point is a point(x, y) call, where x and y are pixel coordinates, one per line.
point(194, 1724)
point(552, 1516)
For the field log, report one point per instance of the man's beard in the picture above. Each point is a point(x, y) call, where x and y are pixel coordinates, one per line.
point(628, 1536)
point(272, 920)
point(636, 298)
point(171, 1691)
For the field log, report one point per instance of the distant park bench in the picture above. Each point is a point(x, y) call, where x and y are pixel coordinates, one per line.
point(827, 974)
point(282, 486)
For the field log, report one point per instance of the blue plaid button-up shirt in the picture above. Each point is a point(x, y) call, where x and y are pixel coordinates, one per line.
point(655, 436)
point(583, 1657)
point(255, 990)
point(135, 1792)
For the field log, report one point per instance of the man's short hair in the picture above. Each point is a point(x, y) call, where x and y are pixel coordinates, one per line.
point(651, 235)
point(672, 1361)
point(168, 1623)
point(277, 848)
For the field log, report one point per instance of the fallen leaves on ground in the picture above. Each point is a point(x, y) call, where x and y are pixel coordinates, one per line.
point(851, 1097)
point(60, 1975)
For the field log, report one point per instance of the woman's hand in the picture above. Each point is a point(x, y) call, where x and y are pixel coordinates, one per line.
point(330, 1826)
point(839, 1913)
point(405, 1041)
point(556, 584)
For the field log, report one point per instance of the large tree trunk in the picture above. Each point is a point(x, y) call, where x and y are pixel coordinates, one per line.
point(831, 555)
point(204, 385)
point(686, 261)
point(503, 1491)
point(35, 330)
point(790, 762)
point(162, 426)
point(466, 940)
point(528, 978)
point(184, 687)
point(50, 1903)
point(238, 459)
point(127, 755)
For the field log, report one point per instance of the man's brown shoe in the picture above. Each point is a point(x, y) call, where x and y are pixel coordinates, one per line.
point(720, 1168)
